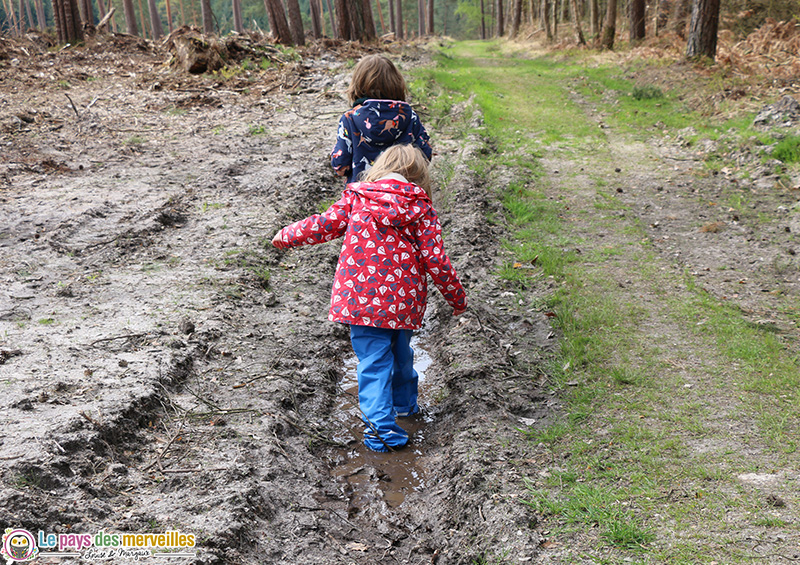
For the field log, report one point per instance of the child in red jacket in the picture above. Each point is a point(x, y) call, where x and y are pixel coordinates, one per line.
point(392, 242)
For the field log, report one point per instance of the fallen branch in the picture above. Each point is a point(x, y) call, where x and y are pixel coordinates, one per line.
point(106, 18)
point(198, 470)
point(128, 336)
point(73, 106)
point(90, 419)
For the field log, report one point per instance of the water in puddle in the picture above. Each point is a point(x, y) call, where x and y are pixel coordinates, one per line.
point(397, 472)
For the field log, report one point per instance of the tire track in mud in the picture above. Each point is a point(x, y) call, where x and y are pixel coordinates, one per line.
point(177, 372)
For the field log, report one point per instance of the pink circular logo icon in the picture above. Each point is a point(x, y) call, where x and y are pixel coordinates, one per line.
point(19, 545)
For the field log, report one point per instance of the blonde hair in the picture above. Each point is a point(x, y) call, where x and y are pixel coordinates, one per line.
point(403, 159)
point(375, 76)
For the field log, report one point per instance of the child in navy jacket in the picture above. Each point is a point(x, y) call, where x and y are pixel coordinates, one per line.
point(392, 242)
point(379, 118)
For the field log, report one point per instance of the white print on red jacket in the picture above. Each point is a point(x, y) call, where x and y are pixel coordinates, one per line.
point(392, 239)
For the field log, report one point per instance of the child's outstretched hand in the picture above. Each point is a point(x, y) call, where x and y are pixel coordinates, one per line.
point(278, 242)
point(459, 312)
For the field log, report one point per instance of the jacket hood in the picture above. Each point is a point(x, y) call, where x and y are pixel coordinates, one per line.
point(381, 123)
point(391, 202)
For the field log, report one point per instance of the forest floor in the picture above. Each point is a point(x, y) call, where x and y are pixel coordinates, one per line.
point(165, 369)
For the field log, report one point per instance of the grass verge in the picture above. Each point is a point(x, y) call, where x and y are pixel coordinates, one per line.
point(673, 402)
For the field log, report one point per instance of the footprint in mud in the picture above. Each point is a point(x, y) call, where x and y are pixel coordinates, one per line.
point(397, 473)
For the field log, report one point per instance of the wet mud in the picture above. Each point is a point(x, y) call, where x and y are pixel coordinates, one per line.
point(164, 368)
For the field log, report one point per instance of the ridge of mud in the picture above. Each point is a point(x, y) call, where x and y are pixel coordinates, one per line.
point(485, 368)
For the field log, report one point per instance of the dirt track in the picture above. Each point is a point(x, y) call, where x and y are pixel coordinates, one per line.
point(164, 368)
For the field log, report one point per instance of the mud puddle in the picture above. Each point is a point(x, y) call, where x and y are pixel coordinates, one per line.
point(398, 473)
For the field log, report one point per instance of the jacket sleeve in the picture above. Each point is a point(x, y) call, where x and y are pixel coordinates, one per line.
point(421, 137)
point(436, 261)
point(318, 228)
point(342, 154)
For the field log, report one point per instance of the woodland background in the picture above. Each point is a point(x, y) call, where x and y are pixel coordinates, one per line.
point(289, 21)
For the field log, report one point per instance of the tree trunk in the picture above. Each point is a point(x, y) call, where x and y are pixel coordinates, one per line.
point(636, 20)
point(74, 16)
point(208, 17)
point(41, 19)
point(662, 15)
point(576, 17)
point(429, 19)
point(483, 21)
point(11, 17)
point(316, 19)
point(343, 27)
point(370, 29)
point(555, 20)
point(155, 20)
point(168, 4)
point(86, 10)
point(501, 29)
point(391, 16)
point(380, 17)
point(594, 18)
point(680, 17)
point(516, 18)
point(545, 16)
point(703, 29)
point(609, 26)
point(29, 14)
point(58, 16)
point(334, 32)
point(130, 17)
point(21, 20)
point(236, 8)
point(296, 22)
point(420, 18)
point(141, 23)
point(360, 20)
point(398, 12)
point(277, 21)
point(68, 21)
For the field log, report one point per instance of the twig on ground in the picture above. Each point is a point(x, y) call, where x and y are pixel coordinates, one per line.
point(198, 470)
point(126, 336)
point(269, 371)
point(90, 419)
point(311, 433)
point(157, 460)
point(73, 106)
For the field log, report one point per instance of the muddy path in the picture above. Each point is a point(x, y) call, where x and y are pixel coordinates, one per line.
point(163, 368)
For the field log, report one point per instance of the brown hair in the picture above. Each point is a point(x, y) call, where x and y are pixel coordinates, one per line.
point(403, 159)
point(375, 76)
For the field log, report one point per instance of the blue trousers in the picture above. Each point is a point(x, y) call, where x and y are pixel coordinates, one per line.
point(387, 383)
